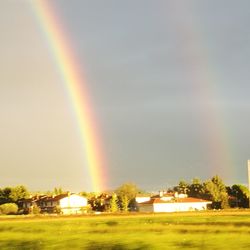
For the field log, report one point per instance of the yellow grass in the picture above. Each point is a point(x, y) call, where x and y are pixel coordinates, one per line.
point(194, 230)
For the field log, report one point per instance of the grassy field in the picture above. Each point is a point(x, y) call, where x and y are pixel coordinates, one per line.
point(196, 230)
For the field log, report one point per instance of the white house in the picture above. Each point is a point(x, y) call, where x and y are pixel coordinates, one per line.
point(142, 198)
point(64, 203)
point(174, 205)
point(72, 204)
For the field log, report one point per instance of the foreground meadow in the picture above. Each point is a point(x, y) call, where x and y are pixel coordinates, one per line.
point(203, 230)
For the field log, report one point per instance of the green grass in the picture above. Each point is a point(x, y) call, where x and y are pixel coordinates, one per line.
point(203, 230)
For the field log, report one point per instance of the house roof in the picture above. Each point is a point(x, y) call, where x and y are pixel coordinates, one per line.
point(154, 200)
point(49, 198)
point(164, 195)
point(143, 195)
point(190, 199)
point(34, 198)
point(57, 197)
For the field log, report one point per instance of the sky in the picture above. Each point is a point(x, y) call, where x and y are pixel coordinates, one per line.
point(168, 83)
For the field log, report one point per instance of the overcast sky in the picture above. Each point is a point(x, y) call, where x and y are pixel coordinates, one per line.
point(169, 83)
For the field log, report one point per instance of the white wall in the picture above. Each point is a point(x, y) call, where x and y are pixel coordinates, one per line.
point(73, 201)
point(164, 207)
point(191, 206)
point(173, 207)
point(72, 204)
point(142, 199)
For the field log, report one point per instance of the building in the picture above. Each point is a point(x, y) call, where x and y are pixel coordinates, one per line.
point(142, 198)
point(173, 205)
point(73, 204)
point(63, 203)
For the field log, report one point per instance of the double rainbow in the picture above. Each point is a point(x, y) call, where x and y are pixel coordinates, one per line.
point(202, 74)
point(76, 87)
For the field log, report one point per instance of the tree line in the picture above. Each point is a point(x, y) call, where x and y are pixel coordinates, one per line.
point(10, 197)
point(216, 191)
point(123, 198)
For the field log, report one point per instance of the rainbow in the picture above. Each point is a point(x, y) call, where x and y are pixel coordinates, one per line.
point(204, 80)
point(76, 87)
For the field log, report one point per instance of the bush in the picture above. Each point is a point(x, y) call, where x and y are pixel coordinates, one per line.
point(8, 208)
point(35, 210)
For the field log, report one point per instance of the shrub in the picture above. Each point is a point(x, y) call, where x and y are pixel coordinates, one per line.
point(8, 208)
point(57, 210)
point(36, 210)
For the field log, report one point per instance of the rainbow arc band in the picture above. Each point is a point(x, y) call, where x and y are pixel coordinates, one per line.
point(76, 87)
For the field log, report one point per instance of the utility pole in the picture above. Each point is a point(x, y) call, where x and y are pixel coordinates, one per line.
point(248, 168)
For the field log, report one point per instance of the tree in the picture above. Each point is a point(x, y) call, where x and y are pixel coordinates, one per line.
point(35, 209)
point(114, 204)
point(196, 189)
point(57, 191)
point(127, 189)
point(126, 194)
point(124, 203)
point(5, 195)
point(100, 203)
point(8, 208)
point(85, 194)
point(215, 190)
point(18, 193)
point(95, 203)
point(240, 194)
point(182, 188)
